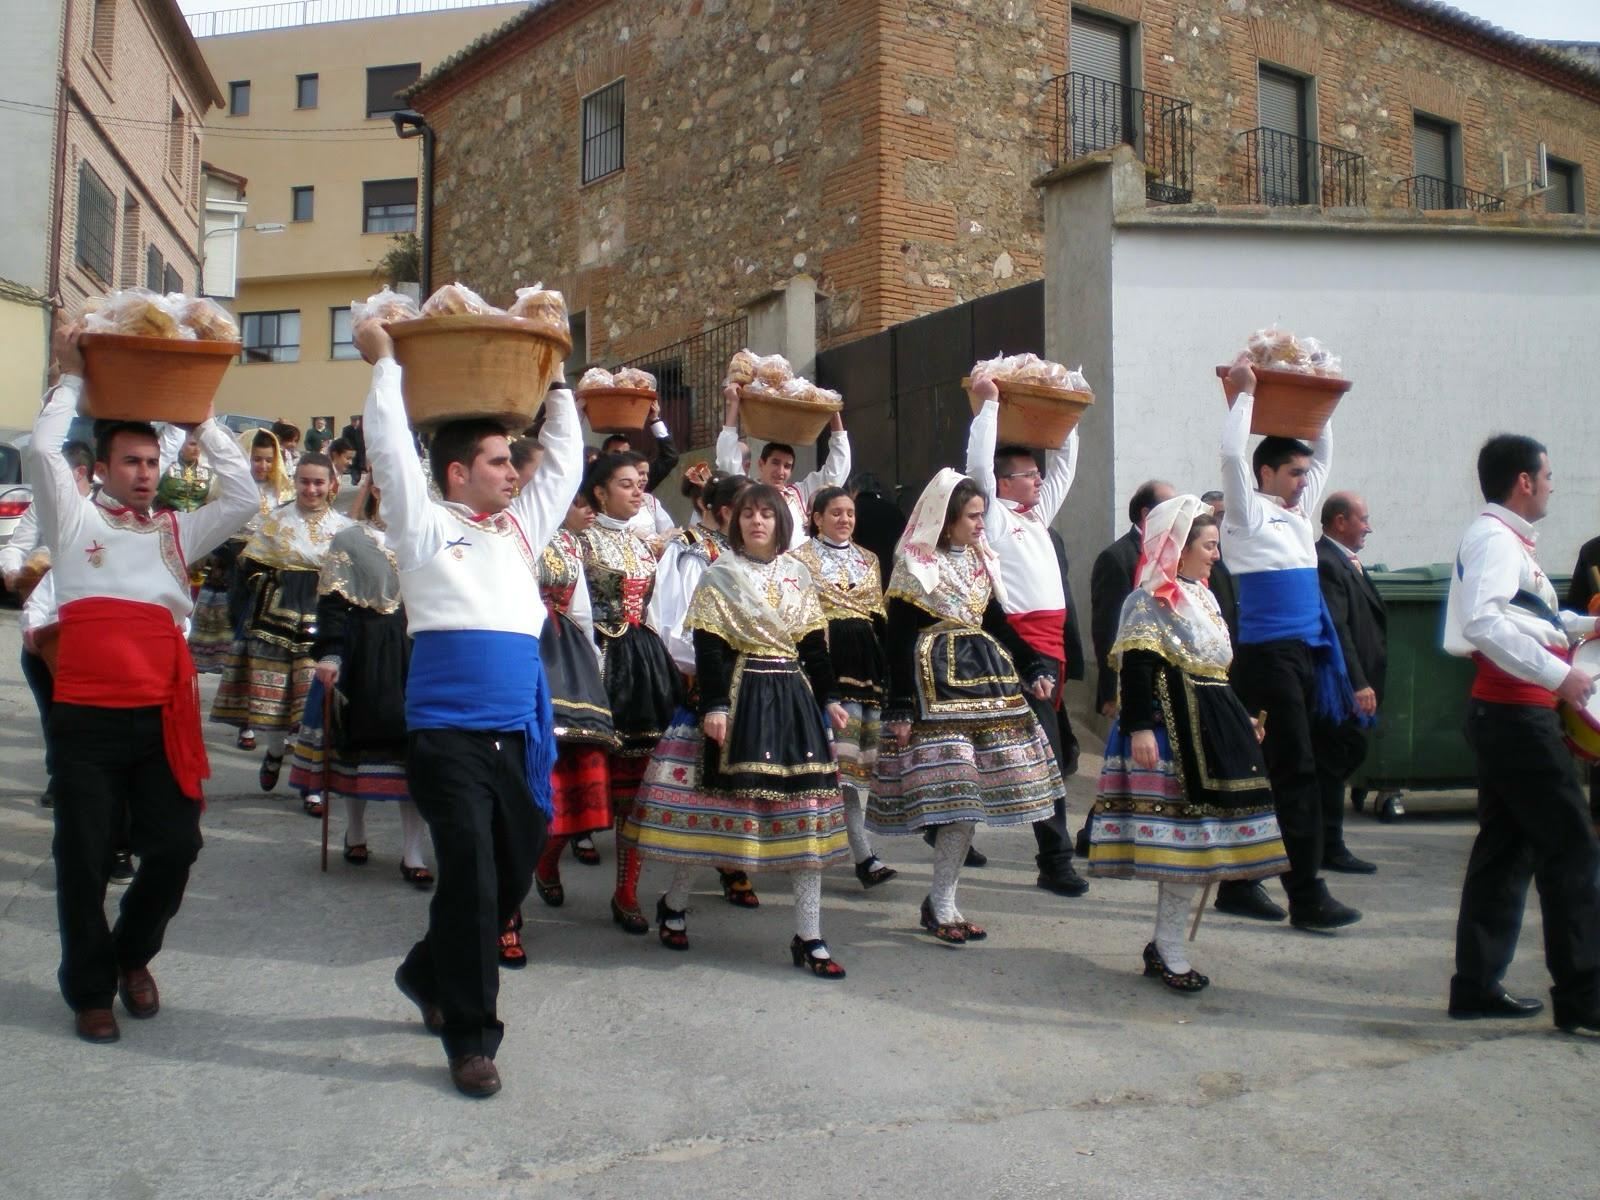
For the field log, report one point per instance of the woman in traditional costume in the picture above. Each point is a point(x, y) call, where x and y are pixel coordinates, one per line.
point(580, 785)
point(269, 667)
point(362, 654)
point(643, 688)
point(763, 792)
point(1184, 798)
point(962, 745)
point(851, 592)
point(188, 482)
point(216, 616)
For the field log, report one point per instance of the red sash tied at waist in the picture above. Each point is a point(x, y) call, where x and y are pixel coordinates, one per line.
point(1501, 687)
point(129, 654)
point(1046, 632)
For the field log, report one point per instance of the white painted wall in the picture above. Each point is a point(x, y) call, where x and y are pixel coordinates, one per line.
point(1449, 339)
point(30, 55)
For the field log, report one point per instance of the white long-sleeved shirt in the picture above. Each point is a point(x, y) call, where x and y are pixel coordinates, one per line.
point(100, 549)
point(1021, 538)
point(797, 493)
point(678, 573)
point(458, 571)
point(1259, 532)
point(652, 518)
point(1495, 561)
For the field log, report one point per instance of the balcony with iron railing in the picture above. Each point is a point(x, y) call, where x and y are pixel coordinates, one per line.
point(1091, 114)
point(1432, 194)
point(1280, 168)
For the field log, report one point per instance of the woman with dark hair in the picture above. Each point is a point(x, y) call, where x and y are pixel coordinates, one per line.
point(363, 654)
point(642, 686)
point(1184, 798)
point(961, 743)
point(763, 792)
point(270, 664)
point(851, 592)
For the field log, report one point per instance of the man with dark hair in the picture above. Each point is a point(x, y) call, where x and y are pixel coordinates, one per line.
point(343, 455)
point(879, 521)
point(1110, 582)
point(666, 453)
point(1022, 503)
point(1361, 620)
point(1288, 662)
point(776, 464)
point(353, 434)
point(288, 436)
point(125, 693)
point(1532, 820)
point(480, 730)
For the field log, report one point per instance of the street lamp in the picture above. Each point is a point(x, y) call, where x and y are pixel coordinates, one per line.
point(264, 227)
point(411, 124)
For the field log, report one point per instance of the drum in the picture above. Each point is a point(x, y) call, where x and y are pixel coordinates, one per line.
point(1581, 726)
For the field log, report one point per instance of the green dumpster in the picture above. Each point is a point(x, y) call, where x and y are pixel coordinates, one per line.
point(1420, 741)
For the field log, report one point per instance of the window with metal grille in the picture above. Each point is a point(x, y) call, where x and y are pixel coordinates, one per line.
point(129, 269)
point(97, 224)
point(384, 85)
point(271, 337)
point(1101, 62)
point(1284, 153)
point(239, 98)
point(175, 141)
point(154, 268)
point(342, 344)
point(302, 203)
point(171, 281)
point(1565, 194)
point(104, 32)
point(1432, 143)
point(389, 205)
point(602, 131)
point(305, 91)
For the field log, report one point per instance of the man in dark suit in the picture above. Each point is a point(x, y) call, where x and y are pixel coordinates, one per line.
point(1110, 582)
point(879, 521)
point(1581, 593)
point(354, 434)
point(1362, 622)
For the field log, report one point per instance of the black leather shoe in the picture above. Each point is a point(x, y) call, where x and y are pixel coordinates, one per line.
point(1571, 1018)
point(1063, 881)
point(1247, 900)
point(1326, 915)
point(1345, 863)
point(1499, 1003)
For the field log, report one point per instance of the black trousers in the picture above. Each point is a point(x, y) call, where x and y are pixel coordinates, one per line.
point(1280, 678)
point(113, 761)
point(471, 788)
point(1533, 823)
point(1050, 834)
point(1339, 749)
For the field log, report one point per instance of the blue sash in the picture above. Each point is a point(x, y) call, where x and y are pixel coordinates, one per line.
point(481, 679)
point(1287, 605)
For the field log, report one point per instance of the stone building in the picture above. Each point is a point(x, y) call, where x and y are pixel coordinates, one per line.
point(667, 162)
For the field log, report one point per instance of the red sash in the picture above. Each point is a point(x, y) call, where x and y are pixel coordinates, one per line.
point(1500, 687)
point(1046, 632)
point(129, 654)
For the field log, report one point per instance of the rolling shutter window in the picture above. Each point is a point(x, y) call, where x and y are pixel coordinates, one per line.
point(1283, 103)
point(1560, 197)
point(1430, 147)
point(1100, 48)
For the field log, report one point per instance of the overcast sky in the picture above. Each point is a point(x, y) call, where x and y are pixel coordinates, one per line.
point(1562, 20)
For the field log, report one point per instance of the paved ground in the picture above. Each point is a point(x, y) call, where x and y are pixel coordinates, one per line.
point(1040, 1064)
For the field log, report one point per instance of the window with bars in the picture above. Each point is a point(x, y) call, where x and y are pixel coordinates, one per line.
point(384, 85)
point(131, 222)
point(1565, 192)
point(155, 267)
point(97, 224)
point(239, 98)
point(103, 35)
point(171, 281)
point(271, 337)
point(389, 205)
point(603, 113)
point(342, 344)
point(302, 203)
point(305, 91)
point(175, 140)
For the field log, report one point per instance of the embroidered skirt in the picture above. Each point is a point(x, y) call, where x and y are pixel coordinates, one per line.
point(857, 746)
point(268, 670)
point(580, 787)
point(577, 694)
point(767, 799)
point(996, 772)
point(351, 775)
point(643, 687)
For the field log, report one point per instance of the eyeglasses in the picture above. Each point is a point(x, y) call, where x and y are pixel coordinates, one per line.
point(1033, 474)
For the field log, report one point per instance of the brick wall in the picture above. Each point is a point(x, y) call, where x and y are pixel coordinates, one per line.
point(889, 146)
point(119, 121)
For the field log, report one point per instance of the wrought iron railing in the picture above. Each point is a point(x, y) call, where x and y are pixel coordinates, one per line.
point(1093, 114)
point(689, 379)
point(314, 12)
point(1283, 169)
point(1429, 192)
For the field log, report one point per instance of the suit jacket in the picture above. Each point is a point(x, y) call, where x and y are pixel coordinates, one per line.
point(661, 466)
point(1359, 616)
point(879, 524)
point(1072, 636)
point(1581, 590)
point(1109, 584)
point(357, 437)
point(1226, 590)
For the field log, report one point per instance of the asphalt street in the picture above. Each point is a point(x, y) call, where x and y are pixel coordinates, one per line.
point(1038, 1064)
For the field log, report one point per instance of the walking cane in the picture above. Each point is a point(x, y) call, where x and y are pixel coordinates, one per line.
point(327, 768)
point(1205, 898)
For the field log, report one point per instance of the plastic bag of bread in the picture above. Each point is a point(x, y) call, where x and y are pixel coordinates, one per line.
point(209, 320)
point(545, 308)
point(458, 300)
point(774, 371)
point(741, 368)
point(136, 312)
point(827, 396)
point(1281, 350)
point(386, 306)
point(595, 377)
point(633, 377)
point(797, 389)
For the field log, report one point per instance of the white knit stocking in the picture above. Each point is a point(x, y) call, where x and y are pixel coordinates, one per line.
point(949, 852)
point(355, 829)
point(276, 740)
point(855, 826)
point(1174, 903)
point(808, 906)
point(678, 889)
point(413, 835)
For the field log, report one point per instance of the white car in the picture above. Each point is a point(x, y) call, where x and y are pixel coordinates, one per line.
point(15, 495)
